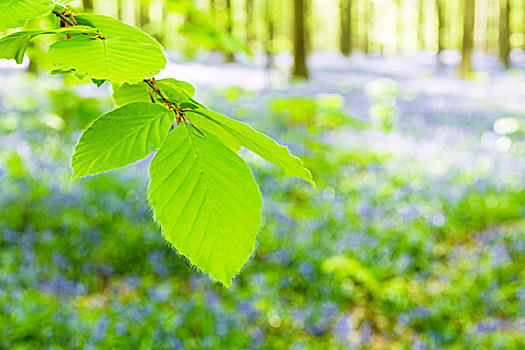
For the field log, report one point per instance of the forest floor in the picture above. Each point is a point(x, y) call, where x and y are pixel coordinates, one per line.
point(432, 111)
point(415, 237)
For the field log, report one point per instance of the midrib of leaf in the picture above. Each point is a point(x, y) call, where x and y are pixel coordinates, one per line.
point(181, 181)
point(106, 59)
point(18, 11)
point(271, 157)
point(117, 60)
point(168, 176)
point(204, 198)
point(212, 204)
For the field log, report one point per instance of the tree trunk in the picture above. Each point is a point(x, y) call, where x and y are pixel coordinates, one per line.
point(144, 13)
point(469, 7)
point(440, 13)
point(504, 33)
point(229, 56)
point(87, 5)
point(271, 34)
point(366, 26)
point(346, 27)
point(490, 24)
point(119, 10)
point(250, 37)
point(307, 15)
point(300, 69)
point(421, 25)
point(164, 31)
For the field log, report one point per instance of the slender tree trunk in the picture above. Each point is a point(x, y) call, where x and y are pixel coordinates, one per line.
point(440, 13)
point(119, 10)
point(213, 12)
point(229, 14)
point(144, 13)
point(490, 21)
point(213, 15)
point(229, 56)
point(87, 5)
point(504, 33)
point(366, 26)
point(300, 69)
point(399, 26)
point(307, 6)
point(164, 31)
point(250, 37)
point(271, 34)
point(421, 25)
point(468, 37)
point(346, 27)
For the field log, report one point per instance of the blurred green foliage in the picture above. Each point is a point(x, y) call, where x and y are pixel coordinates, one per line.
point(386, 255)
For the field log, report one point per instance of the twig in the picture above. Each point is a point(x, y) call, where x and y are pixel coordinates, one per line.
point(153, 86)
point(152, 98)
point(179, 115)
point(63, 18)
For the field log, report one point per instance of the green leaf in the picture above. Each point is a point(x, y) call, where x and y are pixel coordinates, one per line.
point(14, 46)
point(128, 93)
point(207, 201)
point(179, 91)
point(228, 139)
point(117, 60)
point(194, 104)
point(112, 28)
point(141, 54)
point(15, 13)
point(175, 91)
point(255, 141)
point(174, 88)
point(121, 137)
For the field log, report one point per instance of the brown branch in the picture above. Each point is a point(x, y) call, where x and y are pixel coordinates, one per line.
point(63, 18)
point(151, 83)
point(179, 115)
point(152, 98)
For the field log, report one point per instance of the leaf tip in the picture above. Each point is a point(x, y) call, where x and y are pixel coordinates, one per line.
point(227, 284)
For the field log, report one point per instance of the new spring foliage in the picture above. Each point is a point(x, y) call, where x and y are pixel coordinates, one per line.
point(202, 193)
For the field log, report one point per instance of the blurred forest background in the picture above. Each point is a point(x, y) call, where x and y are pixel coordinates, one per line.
point(412, 120)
